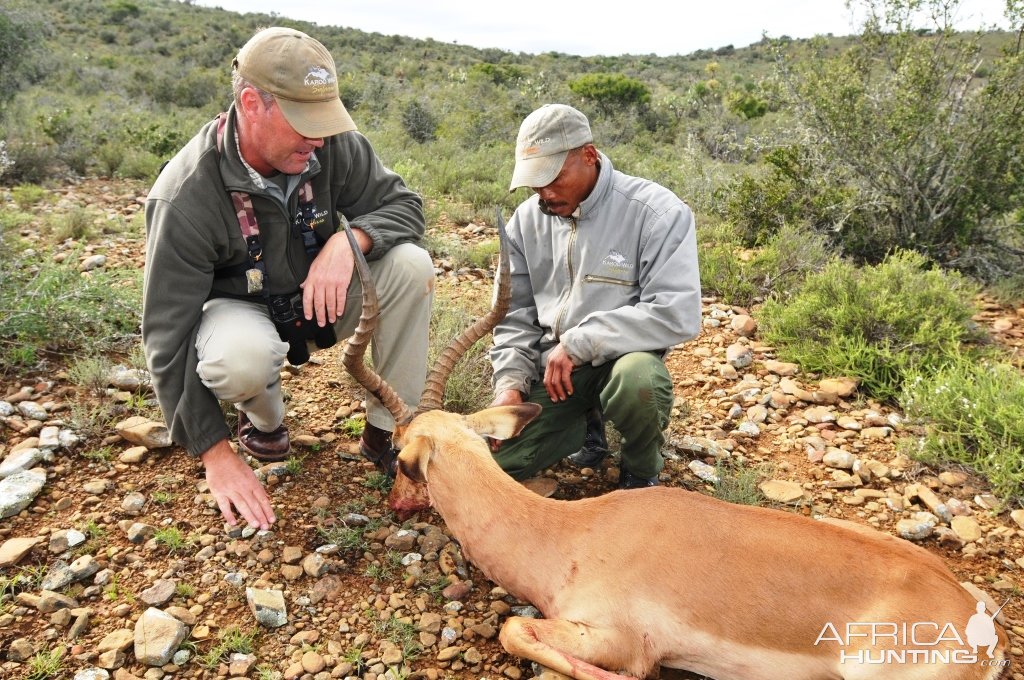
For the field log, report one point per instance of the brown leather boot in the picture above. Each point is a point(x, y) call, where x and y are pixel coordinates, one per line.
point(266, 447)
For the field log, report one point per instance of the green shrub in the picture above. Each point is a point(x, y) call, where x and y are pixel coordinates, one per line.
point(30, 162)
point(53, 307)
point(972, 413)
point(742, 277)
point(28, 195)
point(878, 323)
point(611, 90)
point(419, 123)
point(932, 152)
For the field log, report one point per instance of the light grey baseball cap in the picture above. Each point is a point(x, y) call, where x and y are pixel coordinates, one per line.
point(545, 139)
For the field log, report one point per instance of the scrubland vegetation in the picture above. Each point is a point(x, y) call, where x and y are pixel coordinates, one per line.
point(858, 192)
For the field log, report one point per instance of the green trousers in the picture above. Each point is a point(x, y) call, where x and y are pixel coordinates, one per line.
point(635, 394)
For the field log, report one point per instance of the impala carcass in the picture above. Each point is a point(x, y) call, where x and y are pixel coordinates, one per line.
point(637, 579)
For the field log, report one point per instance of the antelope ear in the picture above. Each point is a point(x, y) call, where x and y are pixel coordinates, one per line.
point(415, 457)
point(503, 422)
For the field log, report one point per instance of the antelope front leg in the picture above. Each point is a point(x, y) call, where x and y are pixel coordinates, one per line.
point(558, 644)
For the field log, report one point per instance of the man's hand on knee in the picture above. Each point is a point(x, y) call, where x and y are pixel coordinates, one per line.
point(234, 485)
point(558, 374)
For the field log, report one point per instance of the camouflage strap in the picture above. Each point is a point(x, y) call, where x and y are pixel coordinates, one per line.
point(256, 274)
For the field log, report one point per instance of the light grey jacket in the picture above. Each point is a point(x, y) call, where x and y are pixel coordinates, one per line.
point(620, 276)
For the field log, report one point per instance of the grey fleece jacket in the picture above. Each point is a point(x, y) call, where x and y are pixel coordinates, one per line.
point(620, 276)
point(192, 231)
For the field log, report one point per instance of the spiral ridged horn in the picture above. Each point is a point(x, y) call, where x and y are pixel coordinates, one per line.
point(433, 393)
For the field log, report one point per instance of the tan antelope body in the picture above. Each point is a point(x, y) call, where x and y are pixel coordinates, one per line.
point(635, 579)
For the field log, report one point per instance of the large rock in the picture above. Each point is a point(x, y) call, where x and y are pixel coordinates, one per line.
point(157, 636)
point(20, 461)
point(267, 606)
point(14, 549)
point(19, 490)
point(782, 491)
point(144, 432)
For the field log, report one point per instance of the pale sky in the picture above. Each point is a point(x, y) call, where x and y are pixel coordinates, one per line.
point(662, 27)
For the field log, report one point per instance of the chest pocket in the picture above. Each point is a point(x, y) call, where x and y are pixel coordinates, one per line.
point(594, 278)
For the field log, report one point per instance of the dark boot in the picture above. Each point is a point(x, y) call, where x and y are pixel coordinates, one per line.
point(376, 447)
point(627, 480)
point(595, 444)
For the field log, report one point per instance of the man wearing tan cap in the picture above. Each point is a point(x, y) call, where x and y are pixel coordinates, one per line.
point(247, 263)
point(604, 282)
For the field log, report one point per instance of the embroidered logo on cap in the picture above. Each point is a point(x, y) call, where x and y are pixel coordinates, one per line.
point(320, 79)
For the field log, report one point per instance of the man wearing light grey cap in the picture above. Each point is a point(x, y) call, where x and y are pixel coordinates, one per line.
point(247, 263)
point(604, 282)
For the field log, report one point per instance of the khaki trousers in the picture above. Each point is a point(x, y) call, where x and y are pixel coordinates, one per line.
point(241, 354)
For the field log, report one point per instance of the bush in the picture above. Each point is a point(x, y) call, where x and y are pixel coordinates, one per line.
point(932, 152)
point(53, 308)
point(790, 190)
point(610, 91)
point(419, 123)
point(972, 413)
point(743, 277)
point(878, 323)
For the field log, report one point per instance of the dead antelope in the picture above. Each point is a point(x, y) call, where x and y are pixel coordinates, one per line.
point(635, 579)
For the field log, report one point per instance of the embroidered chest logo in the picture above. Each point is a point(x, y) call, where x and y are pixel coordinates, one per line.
point(616, 261)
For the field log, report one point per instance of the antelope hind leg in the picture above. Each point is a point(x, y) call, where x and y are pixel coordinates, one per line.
point(559, 645)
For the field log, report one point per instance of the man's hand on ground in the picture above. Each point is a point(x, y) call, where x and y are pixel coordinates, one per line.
point(234, 485)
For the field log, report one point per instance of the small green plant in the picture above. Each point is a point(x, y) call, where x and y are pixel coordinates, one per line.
point(386, 567)
point(172, 538)
point(293, 466)
point(232, 641)
point(972, 413)
point(483, 255)
point(162, 497)
point(377, 480)
point(104, 454)
point(739, 483)
point(266, 672)
point(76, 224)
point(353, 427)
point(28, 195)
point(184, 590)
point(46, 664)
point(115, 591)
point(402, 634)
point(469, 385)
point(91, 373)
point(345, 537)
point(93, 529)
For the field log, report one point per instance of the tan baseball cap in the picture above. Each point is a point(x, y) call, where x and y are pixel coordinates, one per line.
point(545, 139)
point(299, 72)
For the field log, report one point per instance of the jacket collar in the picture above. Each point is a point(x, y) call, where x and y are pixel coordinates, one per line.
point(591, 204)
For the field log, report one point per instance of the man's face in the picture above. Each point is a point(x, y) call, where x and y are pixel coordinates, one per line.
point(271, 143)
point(573, 184)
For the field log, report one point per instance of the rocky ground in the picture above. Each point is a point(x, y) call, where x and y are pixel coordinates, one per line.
point(113, 556)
